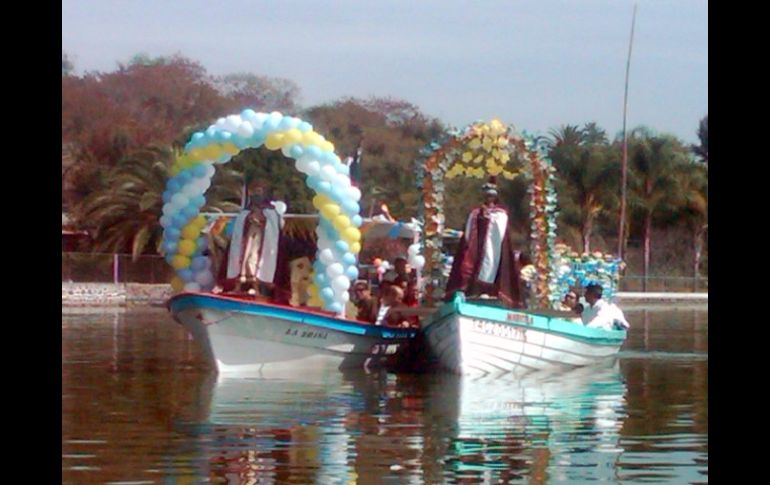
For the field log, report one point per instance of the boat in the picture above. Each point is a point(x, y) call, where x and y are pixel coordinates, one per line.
point(241, 335)
point(255, 338)
point(477, 337)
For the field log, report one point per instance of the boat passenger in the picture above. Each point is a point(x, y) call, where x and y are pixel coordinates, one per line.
point(485, 262)
point(365, 302)
point(569, 302)
point(389, 313)
point(600, 313)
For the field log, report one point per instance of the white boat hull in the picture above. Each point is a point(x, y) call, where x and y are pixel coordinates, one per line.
point(474, 345)
point(250, 339)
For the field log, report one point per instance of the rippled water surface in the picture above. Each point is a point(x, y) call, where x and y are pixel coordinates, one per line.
point(139, 406)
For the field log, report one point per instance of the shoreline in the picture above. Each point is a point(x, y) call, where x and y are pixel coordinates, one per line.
point(155, 295)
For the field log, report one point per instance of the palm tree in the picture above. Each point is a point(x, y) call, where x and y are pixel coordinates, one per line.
point(125, 213)
point(702, 150)
point(692, 202)
point(586, 183)
point(569, 135)
point(652, 183)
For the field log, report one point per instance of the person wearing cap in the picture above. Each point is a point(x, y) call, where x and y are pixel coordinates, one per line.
point(485, 263)
point(365, 303)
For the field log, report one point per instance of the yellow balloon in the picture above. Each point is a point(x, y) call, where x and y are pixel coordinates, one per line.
point(180, 262)
point(326, 146)
point(230, 149)
point(176, 283)
point(199, 221)
point(311, 138)
point(320, 200)
point(190, 231)
point(355, 248)
point(351, 235)
point(186, 247)
point(212, 152)
point(341, 222)
point(196, 154)
point(292, 136)
point(330, 211)
point(274, 141)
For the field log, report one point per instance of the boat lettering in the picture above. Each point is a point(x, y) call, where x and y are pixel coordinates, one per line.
point(519, 318)
point(499, 330)
point(384, 349)
point(306, 333)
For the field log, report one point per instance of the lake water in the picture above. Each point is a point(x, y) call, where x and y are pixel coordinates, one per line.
point(139, 407)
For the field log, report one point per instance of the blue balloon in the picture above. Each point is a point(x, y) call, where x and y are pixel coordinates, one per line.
point(179, 220)
point(349, 259)
point(173, 186)
point(198, 201)
point(313, 181)
point(320, 279)
point(201, 244)
point(172, 234)
point(296, 151)
point(210, 133)
point(350, 206)
point(186, 274)
point(197, 138)
point(341, 246)
point(335, 307)
point(224, 136)
point(324, 187)
point(248, 114)
point(286, 123)
point(169, 258)
point(198, 263)
point(304, 127)
point(314, 152)
point(184, 176)
point(239, 141)
point(169, 247)
point(344, 169)
point(327, 294)
point(199, 170)
point(352, 273)
point(357, 220)
point(167, 196)
point(271, 124)
point(190, 211)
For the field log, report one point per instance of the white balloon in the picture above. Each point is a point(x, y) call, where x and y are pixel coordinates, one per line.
point(245, 129)
point(344, 297)
point(342, 180)
point(340, 283)
point(232, 123)
point(191, 190)
point(280, 206)
point(219, 125)
point(258, 120)
point(328, 173)
point(178, 201)
point(334, 270)
point(165, 221)
point(192, 286)
point(326, 256)
point(354, 193)
point(414, 250)
point(204, 278)
point(313, 167)
point(210, 171)
point(168, 208)
point(301, 164)
point(419, 262)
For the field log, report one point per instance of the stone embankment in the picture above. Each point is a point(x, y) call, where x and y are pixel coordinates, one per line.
point(109, 294)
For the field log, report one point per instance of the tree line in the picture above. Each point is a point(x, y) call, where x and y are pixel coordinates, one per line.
point(121, 131)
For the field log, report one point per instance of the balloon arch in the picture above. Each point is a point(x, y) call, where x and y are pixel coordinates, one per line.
point(339, 237)
point(479, 150)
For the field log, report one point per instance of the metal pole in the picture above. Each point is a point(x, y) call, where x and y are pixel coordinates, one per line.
point(115, 266)
point(624, 167)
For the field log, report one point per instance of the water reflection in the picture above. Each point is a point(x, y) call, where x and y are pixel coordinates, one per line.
point(139, 406)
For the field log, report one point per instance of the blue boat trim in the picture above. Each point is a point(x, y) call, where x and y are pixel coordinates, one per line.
point(542, 323)
point(186, 301)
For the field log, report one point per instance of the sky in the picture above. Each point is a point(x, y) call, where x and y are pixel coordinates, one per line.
point(533, 64)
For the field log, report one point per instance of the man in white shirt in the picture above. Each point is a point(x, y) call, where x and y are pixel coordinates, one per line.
point(601, 314)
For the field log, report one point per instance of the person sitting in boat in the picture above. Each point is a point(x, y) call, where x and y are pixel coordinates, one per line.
point(254, 246)
point(600, 313)
point(365, 302)
point(484, 263)
point(389, 313)
point(569, 302)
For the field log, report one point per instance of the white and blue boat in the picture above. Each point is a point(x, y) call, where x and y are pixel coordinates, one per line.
point(478, 338)
point(245, 337)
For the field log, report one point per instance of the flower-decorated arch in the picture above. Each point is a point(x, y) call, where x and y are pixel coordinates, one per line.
point(479, 150)
point(339, 238)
